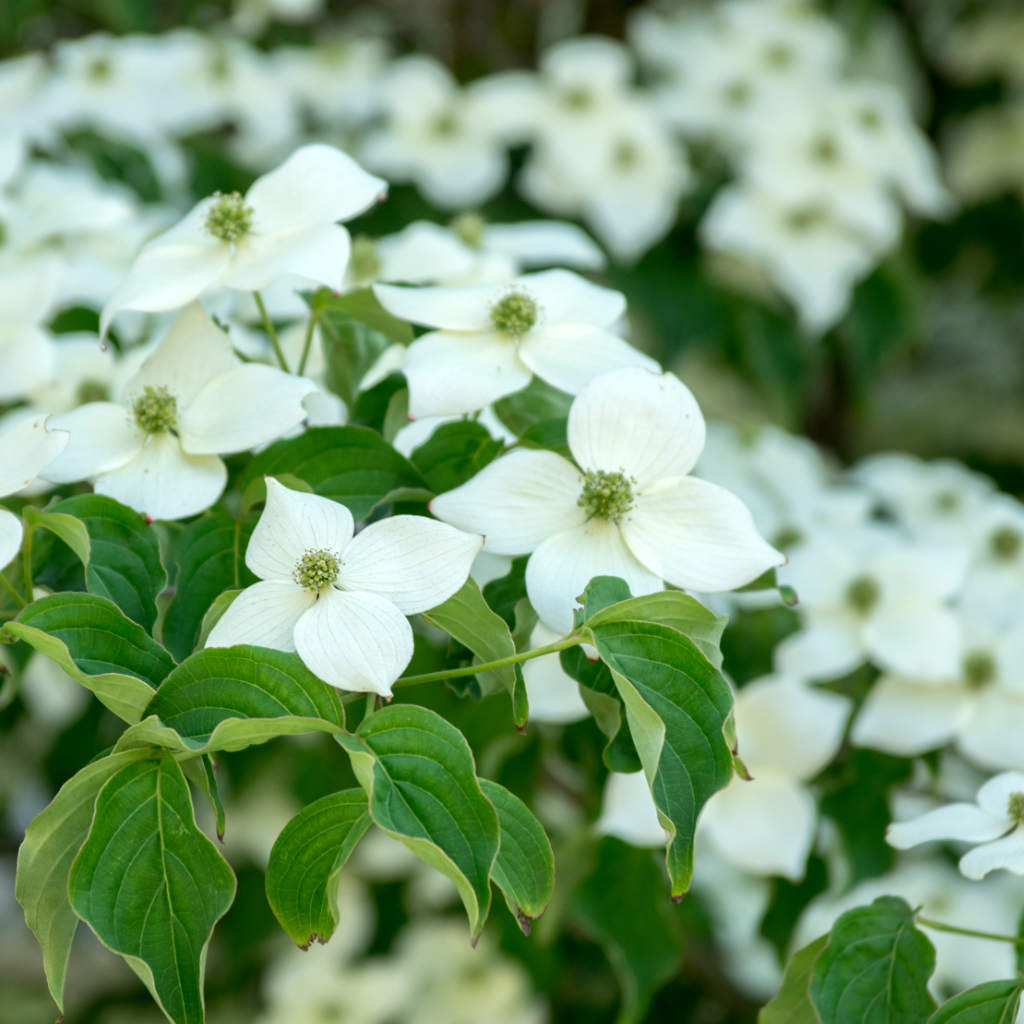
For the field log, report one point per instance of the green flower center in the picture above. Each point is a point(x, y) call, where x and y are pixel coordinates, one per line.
point(803, 218)
point(1015, 807)
point(100, 69)
point(738, 93)
point(92, 391)
point(788, 537)
point(862, 594)
point(365, 258)
point(869, 119)
point(1005, 543)
point(229, 219)
point(825, 149)
point(514, 314)
point(946, 502)
point(156, 410)
point(577, 98)
point(979, 669)
point(469, 228)
point(778, 55)
point(626, 156)
point(316, 569)
point(606, 495)
point(445, 124)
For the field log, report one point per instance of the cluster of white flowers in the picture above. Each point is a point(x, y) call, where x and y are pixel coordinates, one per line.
point(820, 160)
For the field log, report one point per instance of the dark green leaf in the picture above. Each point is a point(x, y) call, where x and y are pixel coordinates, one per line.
point(454, 453)
point(536, 403)
point(994, 1002)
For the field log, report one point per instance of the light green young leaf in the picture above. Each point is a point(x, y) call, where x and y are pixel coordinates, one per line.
point(994, 1002)
point(306, 861)
point(151, 885)
point(52, 839)
point(525, 868)
point(419, 774)
point(63, 525)
point(98, 646)
point(875, 967)
point(792, 1003)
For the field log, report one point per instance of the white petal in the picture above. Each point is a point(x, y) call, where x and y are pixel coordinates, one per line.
point(906, 718)
point(264, 615)
point(553, 695)
point(648, 425)
point(628, 811)
point(516, 502)
point(172, 269)
point(164, 482)
point(28, 447)
point(415, 562)
point(10, 537)
point(567, 298)
point(451, 374)
point(698, 536)
point(316, 185)
point(193, 352)
point(765, 826)
point(318, 253)
point(915, 640)
point(30, 358)
point(560, 569)
point(102, 436)
point(954, 821)
point(247, 406)
point(994, 796)
point(572, 355)
point(992, 736)
point(292, 523)
point(354, 641)
point(453, 309)
point(545, 243)
point(826, 648)
point(1006, 853)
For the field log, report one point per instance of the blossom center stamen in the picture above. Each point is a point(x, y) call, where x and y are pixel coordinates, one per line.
point(979, 669)
point(316, 569)
point(1015, 807)
point(1005, 543)
point(156, 410)
point(862, 594)
point(514, 314)
point(606, 495)
point(229, 219)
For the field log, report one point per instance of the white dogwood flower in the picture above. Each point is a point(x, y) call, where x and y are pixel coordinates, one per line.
point(995, 822)
point(158, 449)
point(341, 600)
point(628, 811)
point(553, 695)
point(626, 508)
point(28, 446)
point(284, 225)
point(492, 338)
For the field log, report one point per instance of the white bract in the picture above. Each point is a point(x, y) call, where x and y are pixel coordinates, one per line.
point(26, 448)
point(338, 598)
point(994, 824)
point(27, 354)
point(628, 811)
point(626, 508)
point(491, 339)
point(284, 225)
point(158, 449)
point(553, 695)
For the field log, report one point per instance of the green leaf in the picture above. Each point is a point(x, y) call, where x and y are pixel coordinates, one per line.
point(122, 554)
point(466, 617)
point(525, 868)
point(151, 885)
point(306, 862)
point(52, 839)
point(454, 453)
point(64, 526)
point(677, 704)
point(353, 465)
point(92, 640)
point(229, 698)
point(875, 968)
point(994, 1002)
point(792, 1003)
point(210, 558)
point(418, 772)
point(536, 403)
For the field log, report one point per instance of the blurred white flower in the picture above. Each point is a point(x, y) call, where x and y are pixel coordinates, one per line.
point(27, 354)
point(553, 695)
point(628, 811)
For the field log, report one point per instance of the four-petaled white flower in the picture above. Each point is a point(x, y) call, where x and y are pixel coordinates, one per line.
point(340, 600)
point(630, 509)
point(492, 338)
point(284, 225)
point(995, 822)
point(158, 450)
point(26, 447)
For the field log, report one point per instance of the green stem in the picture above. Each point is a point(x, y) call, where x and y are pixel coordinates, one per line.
point(471, 670)
point(940, 927)
point(9, 587)
point(307, 343)
point(271, 333)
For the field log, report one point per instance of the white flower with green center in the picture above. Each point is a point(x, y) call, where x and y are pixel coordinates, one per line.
point(626, 507)
point(995, 823)
point(338, 598)
point(285, 225)
point(491, 339)
point(158, 449)
point(28, 446)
